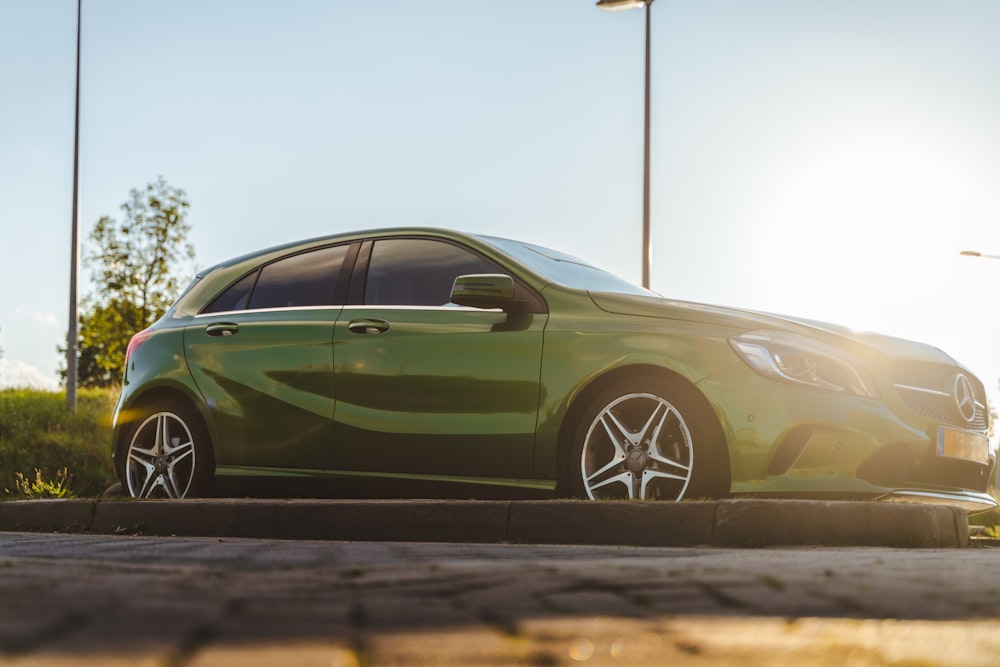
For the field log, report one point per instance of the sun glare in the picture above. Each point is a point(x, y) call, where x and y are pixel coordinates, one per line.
point(868, 228)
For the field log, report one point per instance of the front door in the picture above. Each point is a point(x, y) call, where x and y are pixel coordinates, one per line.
point(428, 388)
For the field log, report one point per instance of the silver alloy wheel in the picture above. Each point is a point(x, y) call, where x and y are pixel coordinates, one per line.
point(160, 461)
point(638, 447)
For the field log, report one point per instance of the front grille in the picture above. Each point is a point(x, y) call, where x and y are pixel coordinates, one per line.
point(929, 389)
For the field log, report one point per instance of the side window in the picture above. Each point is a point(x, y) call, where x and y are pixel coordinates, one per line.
point(235, 297)
point(418, 272)
point(307, 279)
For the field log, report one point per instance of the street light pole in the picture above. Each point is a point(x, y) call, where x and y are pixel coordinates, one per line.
point(71, 336)
point(647, 246)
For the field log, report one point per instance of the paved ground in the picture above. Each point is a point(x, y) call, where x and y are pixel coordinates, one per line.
point(106, 600)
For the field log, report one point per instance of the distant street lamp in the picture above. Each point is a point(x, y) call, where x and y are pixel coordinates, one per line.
point(71, 335)
point(647, 252)
point(973, 253)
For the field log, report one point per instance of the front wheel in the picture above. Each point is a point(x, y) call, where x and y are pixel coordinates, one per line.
point(647, 440)
point(167, 454)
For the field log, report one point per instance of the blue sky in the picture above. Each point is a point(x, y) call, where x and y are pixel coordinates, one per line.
point(818, 158)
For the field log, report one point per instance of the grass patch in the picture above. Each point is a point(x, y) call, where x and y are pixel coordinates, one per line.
point(990, 520)
point(47, 452)
point(39, 487)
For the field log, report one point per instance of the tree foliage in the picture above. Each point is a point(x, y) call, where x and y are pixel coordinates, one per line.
point(133, 264)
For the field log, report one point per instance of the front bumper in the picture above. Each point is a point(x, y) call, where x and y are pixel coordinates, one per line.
point(786, 441)
point(971, 502)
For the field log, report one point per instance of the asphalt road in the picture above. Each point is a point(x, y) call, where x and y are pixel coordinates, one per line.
point(127, 600)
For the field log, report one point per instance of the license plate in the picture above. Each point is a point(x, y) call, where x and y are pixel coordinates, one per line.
point(963, 445)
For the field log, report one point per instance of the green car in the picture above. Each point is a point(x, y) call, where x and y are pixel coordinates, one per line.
point(430, 362)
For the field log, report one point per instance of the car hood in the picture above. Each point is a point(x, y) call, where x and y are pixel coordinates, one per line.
point(745, 320)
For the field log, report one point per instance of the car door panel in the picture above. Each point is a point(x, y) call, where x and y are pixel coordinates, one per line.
point(446, 391)
point(269, 385)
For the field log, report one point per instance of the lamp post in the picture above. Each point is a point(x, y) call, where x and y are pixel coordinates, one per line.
point(647, 252)
point(71, 336)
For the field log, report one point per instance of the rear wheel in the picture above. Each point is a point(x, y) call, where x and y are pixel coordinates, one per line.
point(167, 454)
point(647, 440)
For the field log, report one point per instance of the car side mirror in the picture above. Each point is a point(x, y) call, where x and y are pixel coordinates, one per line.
point(488, 290)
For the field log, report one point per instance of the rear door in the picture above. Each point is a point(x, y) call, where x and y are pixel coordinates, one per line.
point(262, 356)
point(428, 388)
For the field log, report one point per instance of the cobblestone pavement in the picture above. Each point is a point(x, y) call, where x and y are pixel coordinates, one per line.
point(99, 600)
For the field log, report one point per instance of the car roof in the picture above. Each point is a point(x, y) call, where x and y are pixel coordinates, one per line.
point(329, 239)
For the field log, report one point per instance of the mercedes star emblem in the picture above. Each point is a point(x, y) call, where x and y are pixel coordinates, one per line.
point(964, 398)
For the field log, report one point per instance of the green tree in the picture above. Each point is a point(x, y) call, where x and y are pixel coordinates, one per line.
point(134, 266)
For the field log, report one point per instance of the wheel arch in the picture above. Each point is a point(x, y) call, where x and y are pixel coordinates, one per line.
point(636, 372)
point(130, 412)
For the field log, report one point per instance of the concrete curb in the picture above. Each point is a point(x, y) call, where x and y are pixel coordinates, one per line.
point(725, 523)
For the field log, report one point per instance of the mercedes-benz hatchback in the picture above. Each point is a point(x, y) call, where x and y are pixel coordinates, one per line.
point(430, 362)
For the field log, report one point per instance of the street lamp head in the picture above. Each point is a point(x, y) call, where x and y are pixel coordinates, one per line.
point(976, 253)
point(616, 5)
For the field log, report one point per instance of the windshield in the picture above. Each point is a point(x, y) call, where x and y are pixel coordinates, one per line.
point(565, 269)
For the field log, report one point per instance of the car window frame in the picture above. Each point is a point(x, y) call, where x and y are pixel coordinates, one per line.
point(341, 285)
point(534, 302)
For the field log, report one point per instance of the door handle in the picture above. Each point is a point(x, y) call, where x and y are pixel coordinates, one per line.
point(367, 326)
point(222, 329)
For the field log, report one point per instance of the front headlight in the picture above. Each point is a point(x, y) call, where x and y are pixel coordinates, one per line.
point(780, 355)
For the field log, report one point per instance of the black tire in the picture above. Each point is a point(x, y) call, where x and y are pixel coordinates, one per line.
point(166, 453)
point(646, 438)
